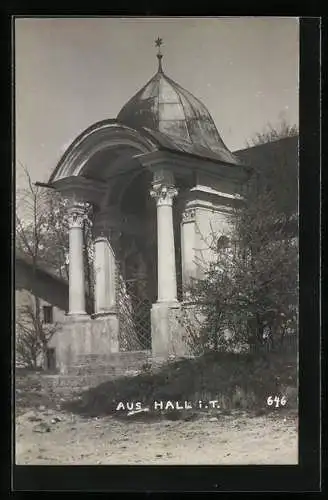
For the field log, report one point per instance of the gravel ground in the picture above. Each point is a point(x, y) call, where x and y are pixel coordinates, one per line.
point(54, 437)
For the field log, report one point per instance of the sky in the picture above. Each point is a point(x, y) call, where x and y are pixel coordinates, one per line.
point(72, 72)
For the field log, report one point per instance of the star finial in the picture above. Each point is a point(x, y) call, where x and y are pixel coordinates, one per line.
point(158, 43)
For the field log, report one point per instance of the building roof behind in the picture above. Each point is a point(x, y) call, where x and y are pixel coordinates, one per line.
point(261, 155)
point(41, 267)
point(278, 162)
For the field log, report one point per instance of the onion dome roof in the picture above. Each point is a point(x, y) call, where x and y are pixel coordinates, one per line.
point(166, 109)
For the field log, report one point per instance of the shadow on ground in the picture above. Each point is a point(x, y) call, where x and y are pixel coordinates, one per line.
point(236, 381)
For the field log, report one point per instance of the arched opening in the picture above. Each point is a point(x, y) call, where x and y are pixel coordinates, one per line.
point(137, 264)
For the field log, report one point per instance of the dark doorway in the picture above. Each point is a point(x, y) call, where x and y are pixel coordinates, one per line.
point(51, 359)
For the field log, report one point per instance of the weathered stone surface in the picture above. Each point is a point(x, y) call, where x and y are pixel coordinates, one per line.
point(168, 335)
point(91, 370)
point(97, 336)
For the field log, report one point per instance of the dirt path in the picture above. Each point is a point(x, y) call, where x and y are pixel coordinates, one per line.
point(58, 438)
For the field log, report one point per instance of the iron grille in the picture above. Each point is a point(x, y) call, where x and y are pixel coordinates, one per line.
point(134, 308)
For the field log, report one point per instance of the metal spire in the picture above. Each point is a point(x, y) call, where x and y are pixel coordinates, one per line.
point(158, 43)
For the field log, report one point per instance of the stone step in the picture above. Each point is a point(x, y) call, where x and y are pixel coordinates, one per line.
point(81, 370)
point(115, 357)
point(109, 371)
point(120, 361)
point(72, 383)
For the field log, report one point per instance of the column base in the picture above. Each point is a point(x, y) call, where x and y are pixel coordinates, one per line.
point(167, 303)
point(102, 314)
point(78, 316)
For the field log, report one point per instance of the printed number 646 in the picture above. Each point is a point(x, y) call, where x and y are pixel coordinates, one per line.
point(276, 400)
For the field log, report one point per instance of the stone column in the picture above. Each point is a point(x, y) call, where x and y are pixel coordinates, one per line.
point(164, 192)
point(188, 244)
point(105, 266)
point(76, 261)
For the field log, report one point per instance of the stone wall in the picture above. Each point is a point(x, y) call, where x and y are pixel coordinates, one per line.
point(206, 217)
point(85, 336)
point(210, 224)
point(91, 370)
point(115, 364)
point(24, 297)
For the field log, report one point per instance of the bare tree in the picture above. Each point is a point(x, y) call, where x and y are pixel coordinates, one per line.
point(42, 235)
point(32, 335)
point(273, 133)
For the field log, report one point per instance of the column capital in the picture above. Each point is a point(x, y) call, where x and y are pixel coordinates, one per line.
point(163, 193)
point(77, 212)
point(189, 215)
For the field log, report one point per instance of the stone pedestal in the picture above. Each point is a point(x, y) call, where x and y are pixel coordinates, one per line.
point(168, 334)
point(80, 336)
point(106, 225)
point(105, 276)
